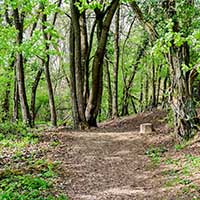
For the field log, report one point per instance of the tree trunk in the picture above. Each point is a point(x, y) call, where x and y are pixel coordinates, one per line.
point(133, 105)
point(141, 95)
point(79, 61)
point(50, 92)
point(84, 52)
point(109, 89)
point(146, 91)
point(97, 67)
point(116, 66)
point(6, 103)
point(128, 85)
point(73, 79)
point(153, 85)
point(19, 23)
point(164, 92)
point(158, 85)
point(180, 96)
point(15, 98)
point(182, 101)
point(47, 72)
point(125, 103)
point(33, 94)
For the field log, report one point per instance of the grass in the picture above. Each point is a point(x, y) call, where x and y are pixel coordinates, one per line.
point(179, 171)
point(24, 187)
point(155, 154)
point(25, 174)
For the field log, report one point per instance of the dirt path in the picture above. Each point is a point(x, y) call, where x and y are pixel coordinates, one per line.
point(113, 162)
point(109, 165)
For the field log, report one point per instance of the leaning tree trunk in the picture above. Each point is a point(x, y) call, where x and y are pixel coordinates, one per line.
point(128, 85)
point(97, 68)
point(33, 94)
point(47, 71)
point(19, 25)
point(50, 92)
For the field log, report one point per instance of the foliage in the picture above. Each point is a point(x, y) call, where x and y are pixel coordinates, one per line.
point(145, 85)
point(155, 154)
point(177, 171)
point(14, 129)
point(26, 187)
point(25, 175)
point(16, 135)
point(183, 172)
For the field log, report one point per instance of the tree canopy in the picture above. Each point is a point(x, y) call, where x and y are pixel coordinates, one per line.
point(79, 62)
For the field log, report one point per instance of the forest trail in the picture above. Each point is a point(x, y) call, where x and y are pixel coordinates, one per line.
point(107, 166)
point(103, 165)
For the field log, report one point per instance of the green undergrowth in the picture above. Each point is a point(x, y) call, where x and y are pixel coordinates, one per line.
point(181, 170)
point(155, 154)
point(25, 173)
point(16, 135)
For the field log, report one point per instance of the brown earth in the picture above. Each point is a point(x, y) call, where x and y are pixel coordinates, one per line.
point(115, 161)
point(109, 163)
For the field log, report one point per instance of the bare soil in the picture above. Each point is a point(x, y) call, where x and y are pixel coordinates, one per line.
point(110, 162)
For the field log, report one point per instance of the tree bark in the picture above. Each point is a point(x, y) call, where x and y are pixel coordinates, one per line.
point(73, 79)
point(108, 80)
point(146, 91)
point(6, 103)
point(15, 98)
point(164, 91)
point(116, 66)
point(84, 52)
point(33, 94)
point(141, 95)
point(19, 25)
point(97, 67)
point(79, 62)
point(47, 72)
point(153, 105)
point(182, 101)
point(128, 85)
point(158, 85)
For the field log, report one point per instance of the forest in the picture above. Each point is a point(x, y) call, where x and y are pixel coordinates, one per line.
point(77, 72)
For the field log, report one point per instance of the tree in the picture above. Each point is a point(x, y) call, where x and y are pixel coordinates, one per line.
point(103, 20)
point(178, 56)
point(19, 25)
point(182, 101)
point(116, 65)
point(46, 61)
point(79, 62)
